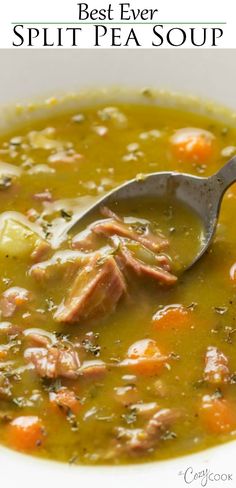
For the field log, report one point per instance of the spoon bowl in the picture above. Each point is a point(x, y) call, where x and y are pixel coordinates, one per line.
point(202, 195)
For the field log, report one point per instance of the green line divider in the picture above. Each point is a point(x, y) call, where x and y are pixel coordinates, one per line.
point(118, 23)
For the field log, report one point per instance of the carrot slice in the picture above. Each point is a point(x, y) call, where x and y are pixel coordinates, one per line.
point(25, 433)
point(64, 400)
point(218, 415)
point(172, 317)
point(193, 145)
point(3, 354)
point(144, 357)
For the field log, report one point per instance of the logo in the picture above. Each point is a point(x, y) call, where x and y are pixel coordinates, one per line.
point(204, 477)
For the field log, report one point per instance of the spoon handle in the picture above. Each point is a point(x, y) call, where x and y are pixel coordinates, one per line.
point(226, 176)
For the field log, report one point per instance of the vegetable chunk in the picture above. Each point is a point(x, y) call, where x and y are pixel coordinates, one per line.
point(218, 415)
point(145, 358)
point(14, 230)
point(172, 317)
point(25, 433)
point(193, 145)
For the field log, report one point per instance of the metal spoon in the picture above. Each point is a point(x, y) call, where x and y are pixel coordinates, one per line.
point(203, 195)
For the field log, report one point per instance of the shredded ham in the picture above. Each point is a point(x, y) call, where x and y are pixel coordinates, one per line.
point(13, 299)
point(111, 227)
point(53, 362)
point(137, 441)
point(157, 273)
point(216, 367)
point(96, 291)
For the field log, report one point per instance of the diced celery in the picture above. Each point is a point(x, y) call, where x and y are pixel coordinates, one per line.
point(142, 253)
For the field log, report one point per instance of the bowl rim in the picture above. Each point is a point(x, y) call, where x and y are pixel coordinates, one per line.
point(17, 113)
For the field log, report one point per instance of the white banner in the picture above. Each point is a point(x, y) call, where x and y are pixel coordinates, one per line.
point(99, 24)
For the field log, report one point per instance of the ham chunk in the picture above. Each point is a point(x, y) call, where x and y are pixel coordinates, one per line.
point(93, 369)
point(13, 299)
point(62, 265)
point(158, 273)
point(85, 241)
point(95, 292)
point(53, 362)
point(64, 400)
point(5, 387)
point(126, 395)
point(138, 441)
point(41, 250)
point(136, 232)
point(40, 337)
point(216, 369)
point(161, 421)
point(44, 196)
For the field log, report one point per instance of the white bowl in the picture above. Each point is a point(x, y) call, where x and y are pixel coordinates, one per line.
point(27, 75)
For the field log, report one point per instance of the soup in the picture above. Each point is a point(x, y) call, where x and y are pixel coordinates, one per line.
point(109, 352)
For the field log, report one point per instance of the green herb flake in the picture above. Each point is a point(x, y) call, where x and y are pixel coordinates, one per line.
point(221, 310)
point(146, 92)
point(217, 393)
point(92, 348)
point(168, 435)
point(67, 215)
point(5, 182)
point(51, 386)
point(130, 417)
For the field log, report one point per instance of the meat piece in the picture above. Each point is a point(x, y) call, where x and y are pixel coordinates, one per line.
point(137, 441)
point(109, 214)
point(85, 241)
point(12, 299)
point(161, 421)
point(5, 387)
point(95, 292)
point(130, 441)
point(93, 369)
point(145, 410)
point(40, 251)
point(65, 400)
point(40, 337)
point(44, 196)
point(53, 362)
point(64, 157)
point(136, 232)
point(63, 264)
point(163, 276)
point(126, 395)
point(216, 369)
point(9, 329)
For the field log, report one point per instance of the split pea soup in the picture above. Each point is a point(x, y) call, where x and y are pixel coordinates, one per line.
point(109, 353)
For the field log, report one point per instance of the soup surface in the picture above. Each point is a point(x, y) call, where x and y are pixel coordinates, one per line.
point(108, 353)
